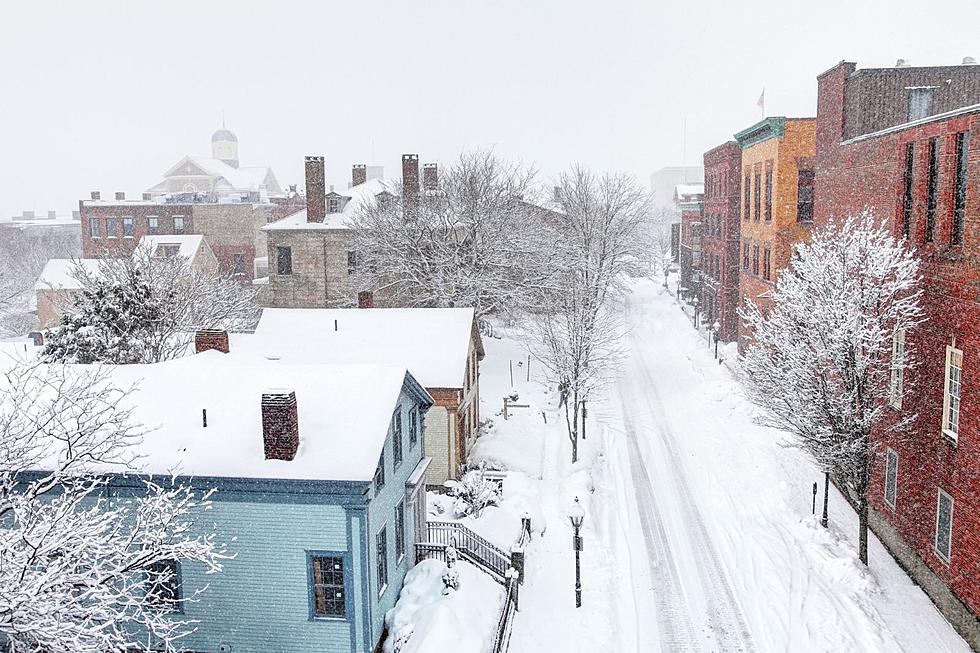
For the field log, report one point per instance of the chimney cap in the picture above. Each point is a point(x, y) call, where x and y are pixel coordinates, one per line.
point(410, 157)
point(969, 61)
point(280, 391)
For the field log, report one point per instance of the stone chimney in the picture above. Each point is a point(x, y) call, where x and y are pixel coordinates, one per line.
point(280, 424)
point(430, 176)
point(96, 195)
point(358, 174)
point(120, 195)
point(365, 299)
point(410, 183)
point(316, 200)
point(207, 339)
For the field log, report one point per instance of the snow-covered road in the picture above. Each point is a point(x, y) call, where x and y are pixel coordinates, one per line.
point(723, 553)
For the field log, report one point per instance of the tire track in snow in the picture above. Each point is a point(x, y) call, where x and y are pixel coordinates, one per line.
point(724, 619)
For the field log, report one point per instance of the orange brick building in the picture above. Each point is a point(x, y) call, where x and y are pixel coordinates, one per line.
point(776, 206)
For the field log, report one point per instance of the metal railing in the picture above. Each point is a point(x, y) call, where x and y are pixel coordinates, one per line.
point(505, 625)
point(471, 546)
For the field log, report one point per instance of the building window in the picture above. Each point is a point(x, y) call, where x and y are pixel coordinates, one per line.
point(396, 436)
point(767, 263)
point(284, 260)
point(959, 192)
point(768, 191)
point(327, 583)
point(755, 259)
point(891, 478)
point(127, 227)
point(239, 259)
point(953, 392)
point(413, 428)
point(758, 196)
point(382, 546)
point(153, 225)
point(745, 256)
point(920, 102)
point(379, 475)
point(747, 210)
point(908, 198)
point(93, 228)
point(944, 525)
point(167, 250)
point(351, 263)
point(933, 183)
point(178, 225)
point(110, 228)
point(897, 368)
point(163, 585)
point(804, 196)
point(400, 531)
point(270, 214)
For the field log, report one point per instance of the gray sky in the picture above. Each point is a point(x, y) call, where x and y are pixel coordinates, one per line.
point(107, 96)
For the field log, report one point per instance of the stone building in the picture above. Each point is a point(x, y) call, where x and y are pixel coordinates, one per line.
point(922, 177)
point(721, 238)
point(776, 204)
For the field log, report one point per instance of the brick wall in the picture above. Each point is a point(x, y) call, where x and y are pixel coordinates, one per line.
point(722, 189)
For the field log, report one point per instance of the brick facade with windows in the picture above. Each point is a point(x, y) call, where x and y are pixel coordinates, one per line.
point(928, 198)
point(777, 157)
point(721, 237)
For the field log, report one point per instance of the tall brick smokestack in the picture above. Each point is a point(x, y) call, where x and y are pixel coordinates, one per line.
point(280, 424)
point(410, 183)
point(430, 176)
point(358, 174)
point(316, 197)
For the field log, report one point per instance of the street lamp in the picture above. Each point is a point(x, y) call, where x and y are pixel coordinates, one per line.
point(715, 329)
point(576, 515)
point(695, 304)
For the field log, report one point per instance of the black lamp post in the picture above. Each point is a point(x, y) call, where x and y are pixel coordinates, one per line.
point(577, 515)
point(716, 330)
point(695, 302)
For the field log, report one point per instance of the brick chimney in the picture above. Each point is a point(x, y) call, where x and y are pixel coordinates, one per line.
point(280, 424)
point(147, 197)
point(430, 176)
point(316, 200)
point(96, 195)
point(358, 174)
point(365, 299)
point(207, 339)
point(120, 195)
point(410, 183)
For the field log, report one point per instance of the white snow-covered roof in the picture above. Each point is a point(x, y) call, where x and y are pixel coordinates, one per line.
point(226, 177)
point(344, 413)
point(432, 343)
point(189, 244)
point(682, 190)
point(58, 273)
point(360, 196)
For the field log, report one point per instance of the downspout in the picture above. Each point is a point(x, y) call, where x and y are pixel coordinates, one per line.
point(325, 296)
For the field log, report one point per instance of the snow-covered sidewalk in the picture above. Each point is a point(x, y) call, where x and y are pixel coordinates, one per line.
point(724, 553)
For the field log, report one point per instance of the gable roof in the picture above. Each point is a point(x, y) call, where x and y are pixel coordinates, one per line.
point(344, 413)
point(58, 273)
point(189, 245)
point(244, 178)
point(360, 196)
point(432, 343)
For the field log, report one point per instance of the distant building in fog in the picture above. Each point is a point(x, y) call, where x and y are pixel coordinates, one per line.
point(664, 181)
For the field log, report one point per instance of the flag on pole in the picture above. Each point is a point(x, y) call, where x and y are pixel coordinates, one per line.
point(761, 103)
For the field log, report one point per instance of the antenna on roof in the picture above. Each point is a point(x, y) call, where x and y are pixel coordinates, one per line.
point(335, 325)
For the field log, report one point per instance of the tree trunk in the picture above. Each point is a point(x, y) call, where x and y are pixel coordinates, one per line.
point(571, 420)
point(863, 530)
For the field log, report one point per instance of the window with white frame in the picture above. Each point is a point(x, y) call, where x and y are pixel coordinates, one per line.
point(400, 531)
point(953, 392)
point(891, 478)
point(897, 368)
point(944, 525)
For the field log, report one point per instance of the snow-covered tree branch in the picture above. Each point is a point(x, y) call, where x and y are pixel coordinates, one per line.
point(821, 363)
point(145, 309)
point(80, 573)
point(478, 241)
point(22, 257)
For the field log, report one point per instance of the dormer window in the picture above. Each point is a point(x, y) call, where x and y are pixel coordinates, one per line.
point(333, 205)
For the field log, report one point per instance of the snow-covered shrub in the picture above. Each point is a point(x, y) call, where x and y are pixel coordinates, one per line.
point(401, 638)
point(450, 577)
point(473, 492)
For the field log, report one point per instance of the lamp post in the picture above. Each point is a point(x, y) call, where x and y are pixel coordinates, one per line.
point(716, 330)
point(576, 515)
point(695, 304)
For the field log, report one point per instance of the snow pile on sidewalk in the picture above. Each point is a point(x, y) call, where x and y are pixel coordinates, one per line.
point(427, 621)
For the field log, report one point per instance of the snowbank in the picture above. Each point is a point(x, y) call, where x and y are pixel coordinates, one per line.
point(465, 621)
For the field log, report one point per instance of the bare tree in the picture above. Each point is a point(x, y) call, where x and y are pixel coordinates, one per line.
point(656, 241)
point(576, 335)
point(478, 241)
point(80, 573)
point(23, 255)
point(145, 309)
point(822, 364)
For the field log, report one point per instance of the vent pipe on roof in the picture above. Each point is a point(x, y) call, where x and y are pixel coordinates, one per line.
point(96, 195)
point(969, 61)
point(902, 63)
point(280, 424)
point(120, 195)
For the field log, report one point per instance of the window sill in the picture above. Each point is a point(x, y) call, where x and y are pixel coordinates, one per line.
point(897, 407)
point(941, 557)
point(890, 506)
point(381, 592)
point(950, 437)
point(327, 619)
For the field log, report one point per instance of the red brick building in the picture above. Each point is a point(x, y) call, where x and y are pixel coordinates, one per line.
point(923, 177)
point(720, 237)
point(689, 198)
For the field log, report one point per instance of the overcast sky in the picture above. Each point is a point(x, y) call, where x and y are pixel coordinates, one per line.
point(107, 96)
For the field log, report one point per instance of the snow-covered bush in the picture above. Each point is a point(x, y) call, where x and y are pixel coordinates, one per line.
point(450, 577)
point(473, 492)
